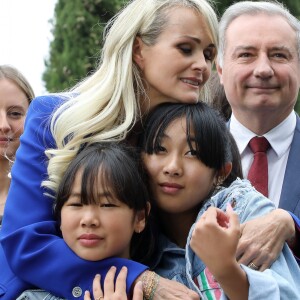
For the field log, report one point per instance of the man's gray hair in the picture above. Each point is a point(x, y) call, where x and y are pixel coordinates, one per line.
point(254, 8)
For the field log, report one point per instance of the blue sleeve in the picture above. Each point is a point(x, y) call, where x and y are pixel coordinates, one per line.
point(280, 281)
point(296, 251)
point(29, 236)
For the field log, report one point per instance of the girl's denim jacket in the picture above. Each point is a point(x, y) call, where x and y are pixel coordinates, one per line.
point(280, 281)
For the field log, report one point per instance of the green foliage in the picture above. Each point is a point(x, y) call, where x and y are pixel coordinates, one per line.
point(78, 33)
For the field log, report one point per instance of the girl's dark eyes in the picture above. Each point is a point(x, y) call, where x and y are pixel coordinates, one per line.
point(100, 204)
point(191, 153)
point(159, 149)
point(107, 205)
point(76, 204)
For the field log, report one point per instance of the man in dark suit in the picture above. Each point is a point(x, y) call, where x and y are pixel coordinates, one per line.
point(259, 67)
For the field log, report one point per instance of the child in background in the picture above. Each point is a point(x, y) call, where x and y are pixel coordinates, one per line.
point(102, 206)
point(193, 165)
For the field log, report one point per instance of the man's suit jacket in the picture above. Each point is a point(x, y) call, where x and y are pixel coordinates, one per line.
point(290, 193)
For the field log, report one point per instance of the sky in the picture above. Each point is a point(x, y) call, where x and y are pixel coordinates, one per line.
point(25, 34)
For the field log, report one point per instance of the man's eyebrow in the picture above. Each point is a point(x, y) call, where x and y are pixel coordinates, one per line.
point(281, 48)
point(239, 48)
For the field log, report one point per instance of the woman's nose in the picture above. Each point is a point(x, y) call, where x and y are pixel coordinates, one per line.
point(200, 63)
point(4, 124)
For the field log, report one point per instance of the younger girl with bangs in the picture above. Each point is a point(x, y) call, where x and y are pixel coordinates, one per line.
point(102, 207)
point(199, 200)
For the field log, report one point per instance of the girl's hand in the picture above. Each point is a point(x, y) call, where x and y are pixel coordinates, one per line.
point(112, 290)
point(215, 239)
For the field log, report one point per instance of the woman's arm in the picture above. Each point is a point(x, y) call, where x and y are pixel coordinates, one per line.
point(29, 234)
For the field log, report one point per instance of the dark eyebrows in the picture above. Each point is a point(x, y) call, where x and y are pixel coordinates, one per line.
point(162, 135)
point(76, 194)
point(105, 195)
point(191, 139)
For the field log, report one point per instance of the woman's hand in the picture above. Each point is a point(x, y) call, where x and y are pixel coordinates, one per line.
point(173, 290)
point(165, 289)
point(263, 238)
point(113, 291)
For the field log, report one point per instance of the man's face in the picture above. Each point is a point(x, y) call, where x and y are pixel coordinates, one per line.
point(261, 69)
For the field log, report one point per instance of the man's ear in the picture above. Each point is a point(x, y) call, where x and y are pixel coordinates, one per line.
point(137, 52)
point(220, 72)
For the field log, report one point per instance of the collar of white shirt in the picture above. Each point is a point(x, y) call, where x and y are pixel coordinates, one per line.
point(280, 137)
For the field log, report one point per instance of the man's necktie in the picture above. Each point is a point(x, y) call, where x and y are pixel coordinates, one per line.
point(258, 173)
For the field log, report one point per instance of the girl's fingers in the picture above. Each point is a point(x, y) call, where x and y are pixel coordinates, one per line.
point(109, 283)
point(87, 295)
point(121, 280)
point(113, 289)
point(97, 291)
point(217, 216)
point(234, 218)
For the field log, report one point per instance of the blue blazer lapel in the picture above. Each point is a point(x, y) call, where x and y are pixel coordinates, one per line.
point(290, 194)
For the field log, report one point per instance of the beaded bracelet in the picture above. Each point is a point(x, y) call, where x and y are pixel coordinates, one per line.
point(150, 282)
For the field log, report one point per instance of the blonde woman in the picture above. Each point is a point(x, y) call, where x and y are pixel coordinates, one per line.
point(154, 51)
point(15, 97)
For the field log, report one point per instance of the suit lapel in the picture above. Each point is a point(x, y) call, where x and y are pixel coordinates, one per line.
point(290, 194)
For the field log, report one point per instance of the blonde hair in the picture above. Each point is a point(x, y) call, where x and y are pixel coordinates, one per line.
point(106, 105)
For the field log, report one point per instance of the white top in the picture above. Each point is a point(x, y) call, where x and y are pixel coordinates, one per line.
point(280, 139)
